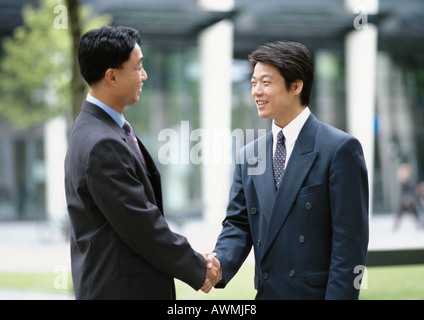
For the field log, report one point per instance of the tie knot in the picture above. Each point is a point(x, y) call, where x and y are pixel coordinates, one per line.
point(127, 127)
point(280, 137)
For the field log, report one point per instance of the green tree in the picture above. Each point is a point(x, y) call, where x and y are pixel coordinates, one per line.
point(36, 69)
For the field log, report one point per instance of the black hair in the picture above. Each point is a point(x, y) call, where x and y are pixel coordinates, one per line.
point(293, 60)
point(104, 48)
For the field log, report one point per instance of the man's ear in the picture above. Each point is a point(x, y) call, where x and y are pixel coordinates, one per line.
point(110, 76)
point(297, 87)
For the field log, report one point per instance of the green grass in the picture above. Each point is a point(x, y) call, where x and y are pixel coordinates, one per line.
point(383, 283)
point(394, 283)
point(42, 281)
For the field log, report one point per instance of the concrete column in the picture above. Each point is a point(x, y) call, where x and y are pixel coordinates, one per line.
point(54, 152)
point(216, 56)
point(361, 53)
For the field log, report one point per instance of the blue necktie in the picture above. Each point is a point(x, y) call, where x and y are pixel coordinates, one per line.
point(279, 160)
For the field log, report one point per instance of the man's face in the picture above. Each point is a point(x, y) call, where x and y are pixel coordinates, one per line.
point(131, 77)
point(269, 91)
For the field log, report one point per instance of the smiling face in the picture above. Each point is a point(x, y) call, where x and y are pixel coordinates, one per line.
point(130, 78)
point(272, 98)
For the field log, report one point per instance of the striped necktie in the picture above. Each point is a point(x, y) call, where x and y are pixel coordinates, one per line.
point(133, 140)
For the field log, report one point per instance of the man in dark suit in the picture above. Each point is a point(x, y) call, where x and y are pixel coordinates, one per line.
point(121, 245)
point(306, 215)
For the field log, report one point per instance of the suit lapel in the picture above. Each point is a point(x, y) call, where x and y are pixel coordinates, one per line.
point(99, 113)
point(151, 171)
point(298, 168)
point(103, 116)
point(264, 183)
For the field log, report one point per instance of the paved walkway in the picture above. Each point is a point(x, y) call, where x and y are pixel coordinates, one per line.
point(32, 247)
point(40, 247)
point(32, 295)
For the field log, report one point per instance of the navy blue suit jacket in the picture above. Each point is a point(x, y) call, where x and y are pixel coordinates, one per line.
point(310, 234)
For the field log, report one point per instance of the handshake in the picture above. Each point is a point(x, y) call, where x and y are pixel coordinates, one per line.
point(213, 273)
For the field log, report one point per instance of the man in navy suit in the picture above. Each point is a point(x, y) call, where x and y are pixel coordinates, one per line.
point(309, 230)
point(121, 244)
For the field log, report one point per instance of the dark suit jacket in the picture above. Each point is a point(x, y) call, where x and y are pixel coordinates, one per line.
point(121, 245)
point(308, 236)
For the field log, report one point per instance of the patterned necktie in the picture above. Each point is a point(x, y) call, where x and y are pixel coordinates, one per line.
point(279, 160)
point(133, 140)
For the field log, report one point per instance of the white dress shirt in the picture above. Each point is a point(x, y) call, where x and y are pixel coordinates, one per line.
point(290, 131)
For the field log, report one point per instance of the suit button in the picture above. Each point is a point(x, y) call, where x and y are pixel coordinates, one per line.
point(259, 243)
point(253, 210)
point(291, 273)
point(265, 275)
point(301, 239)
point(308, 206)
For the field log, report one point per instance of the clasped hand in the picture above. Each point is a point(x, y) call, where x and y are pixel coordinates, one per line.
point(213, 272)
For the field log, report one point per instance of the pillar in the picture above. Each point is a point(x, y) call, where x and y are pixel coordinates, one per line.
point(361, 53)
point(55, 140)
point(216, 55)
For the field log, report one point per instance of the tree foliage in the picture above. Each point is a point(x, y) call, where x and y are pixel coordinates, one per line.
point(36, 68)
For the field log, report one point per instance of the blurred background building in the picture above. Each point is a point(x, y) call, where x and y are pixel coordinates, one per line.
point(369, 58)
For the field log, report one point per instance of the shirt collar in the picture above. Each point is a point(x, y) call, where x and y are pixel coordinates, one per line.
point(292, 130)
point(115, 115)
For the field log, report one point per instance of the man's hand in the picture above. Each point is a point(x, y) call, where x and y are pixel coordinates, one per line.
point(213, 273)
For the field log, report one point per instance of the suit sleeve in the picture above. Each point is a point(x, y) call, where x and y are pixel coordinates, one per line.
point(234, 243)
point(120, 194)
point(349, 217)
